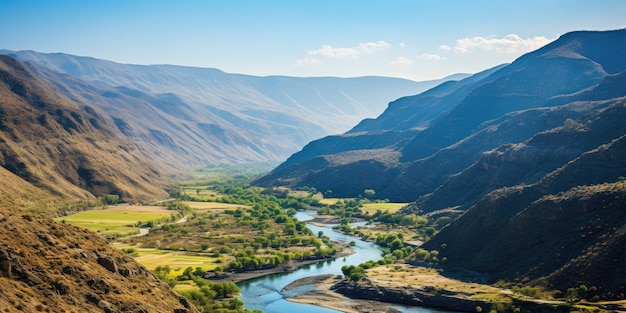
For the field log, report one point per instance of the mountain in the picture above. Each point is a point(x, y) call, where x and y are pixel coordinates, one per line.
point(528, 159)
point(64, 148)
point(570, 225)
point(421, 141)
point(189, 117)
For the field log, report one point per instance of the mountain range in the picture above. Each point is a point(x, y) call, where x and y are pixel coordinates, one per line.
point(73, 129)
point(527, 158)
point(187, 117)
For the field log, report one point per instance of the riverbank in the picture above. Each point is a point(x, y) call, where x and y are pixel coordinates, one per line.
point(387, 286)
point(323, 295)
point(282, 268)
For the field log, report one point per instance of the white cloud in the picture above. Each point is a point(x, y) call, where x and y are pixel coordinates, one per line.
point(431, 57)
point(508, 44)
point(402, 45)
point(445, 48)
point(401, 61)
point(308, 61)
point(329, 52)
point(371, 47)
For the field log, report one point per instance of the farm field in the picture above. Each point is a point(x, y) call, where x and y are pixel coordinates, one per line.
point(206, 206)
point(178, 261)
point(120, 220)
point(371, 208)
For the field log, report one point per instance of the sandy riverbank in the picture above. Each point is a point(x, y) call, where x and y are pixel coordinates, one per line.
point(322, 295)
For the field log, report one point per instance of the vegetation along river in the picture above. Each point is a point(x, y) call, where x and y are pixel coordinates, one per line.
point(264, 293)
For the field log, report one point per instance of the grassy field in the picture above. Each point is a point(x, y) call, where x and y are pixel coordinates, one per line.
point(200, 193)
point(178, 261)
point(330, 201)
point(211, 206)
point(371, 208)
point(118, 220)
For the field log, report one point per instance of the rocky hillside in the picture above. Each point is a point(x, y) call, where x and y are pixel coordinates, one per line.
point(47, 266)
point(570, 234)
point(62, 147)
point(190, 117)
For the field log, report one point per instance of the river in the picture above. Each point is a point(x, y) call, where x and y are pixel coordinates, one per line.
point(264, 293)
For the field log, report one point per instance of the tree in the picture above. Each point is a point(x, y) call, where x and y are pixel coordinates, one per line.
point(369, 193)
point(111, 199)
point(353, 273)
point(572, 295)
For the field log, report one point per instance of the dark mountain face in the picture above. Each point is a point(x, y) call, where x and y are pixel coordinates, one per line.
point(189, 117)
point(441, 132)
point(556, 232)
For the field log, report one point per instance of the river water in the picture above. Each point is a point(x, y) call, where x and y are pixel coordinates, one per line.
point(264, 293)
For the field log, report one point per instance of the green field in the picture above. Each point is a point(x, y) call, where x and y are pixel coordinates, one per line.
point(178, 261)
point(118, 220)
point(371, 208)
point(330, 201)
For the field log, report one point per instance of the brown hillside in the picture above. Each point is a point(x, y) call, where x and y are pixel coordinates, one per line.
point(67, 148)
point(52, 267)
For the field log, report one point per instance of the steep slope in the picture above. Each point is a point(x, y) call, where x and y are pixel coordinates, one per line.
point(485, 112)
point(53, 267)
point(66, 148)
point(528, 161)
point(203, 116)
point(572, 219)
point(423, 110)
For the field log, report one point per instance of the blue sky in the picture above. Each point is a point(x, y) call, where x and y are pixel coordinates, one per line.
point(415, 39)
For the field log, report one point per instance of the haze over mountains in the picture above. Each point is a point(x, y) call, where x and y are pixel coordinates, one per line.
point(190, 117)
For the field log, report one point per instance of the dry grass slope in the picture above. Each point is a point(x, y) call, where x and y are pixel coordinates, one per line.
point(52, 267)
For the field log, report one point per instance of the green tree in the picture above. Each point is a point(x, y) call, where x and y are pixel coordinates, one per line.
point(369, 193)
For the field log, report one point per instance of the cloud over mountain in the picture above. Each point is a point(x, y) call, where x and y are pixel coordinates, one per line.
point(508, 44)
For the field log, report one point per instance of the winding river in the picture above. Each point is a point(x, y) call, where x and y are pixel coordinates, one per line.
point(264, 293)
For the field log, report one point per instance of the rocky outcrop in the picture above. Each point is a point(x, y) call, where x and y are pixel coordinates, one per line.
point(408, 296)
point(438, 298)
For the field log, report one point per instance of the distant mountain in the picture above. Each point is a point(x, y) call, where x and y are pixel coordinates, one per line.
point(191, 117)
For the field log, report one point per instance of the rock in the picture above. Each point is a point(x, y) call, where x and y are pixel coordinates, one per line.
point(68, 270)
point(106, 306)
point(125, 271)
point(108, 262)
point(60, 287)
point(184, 302)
